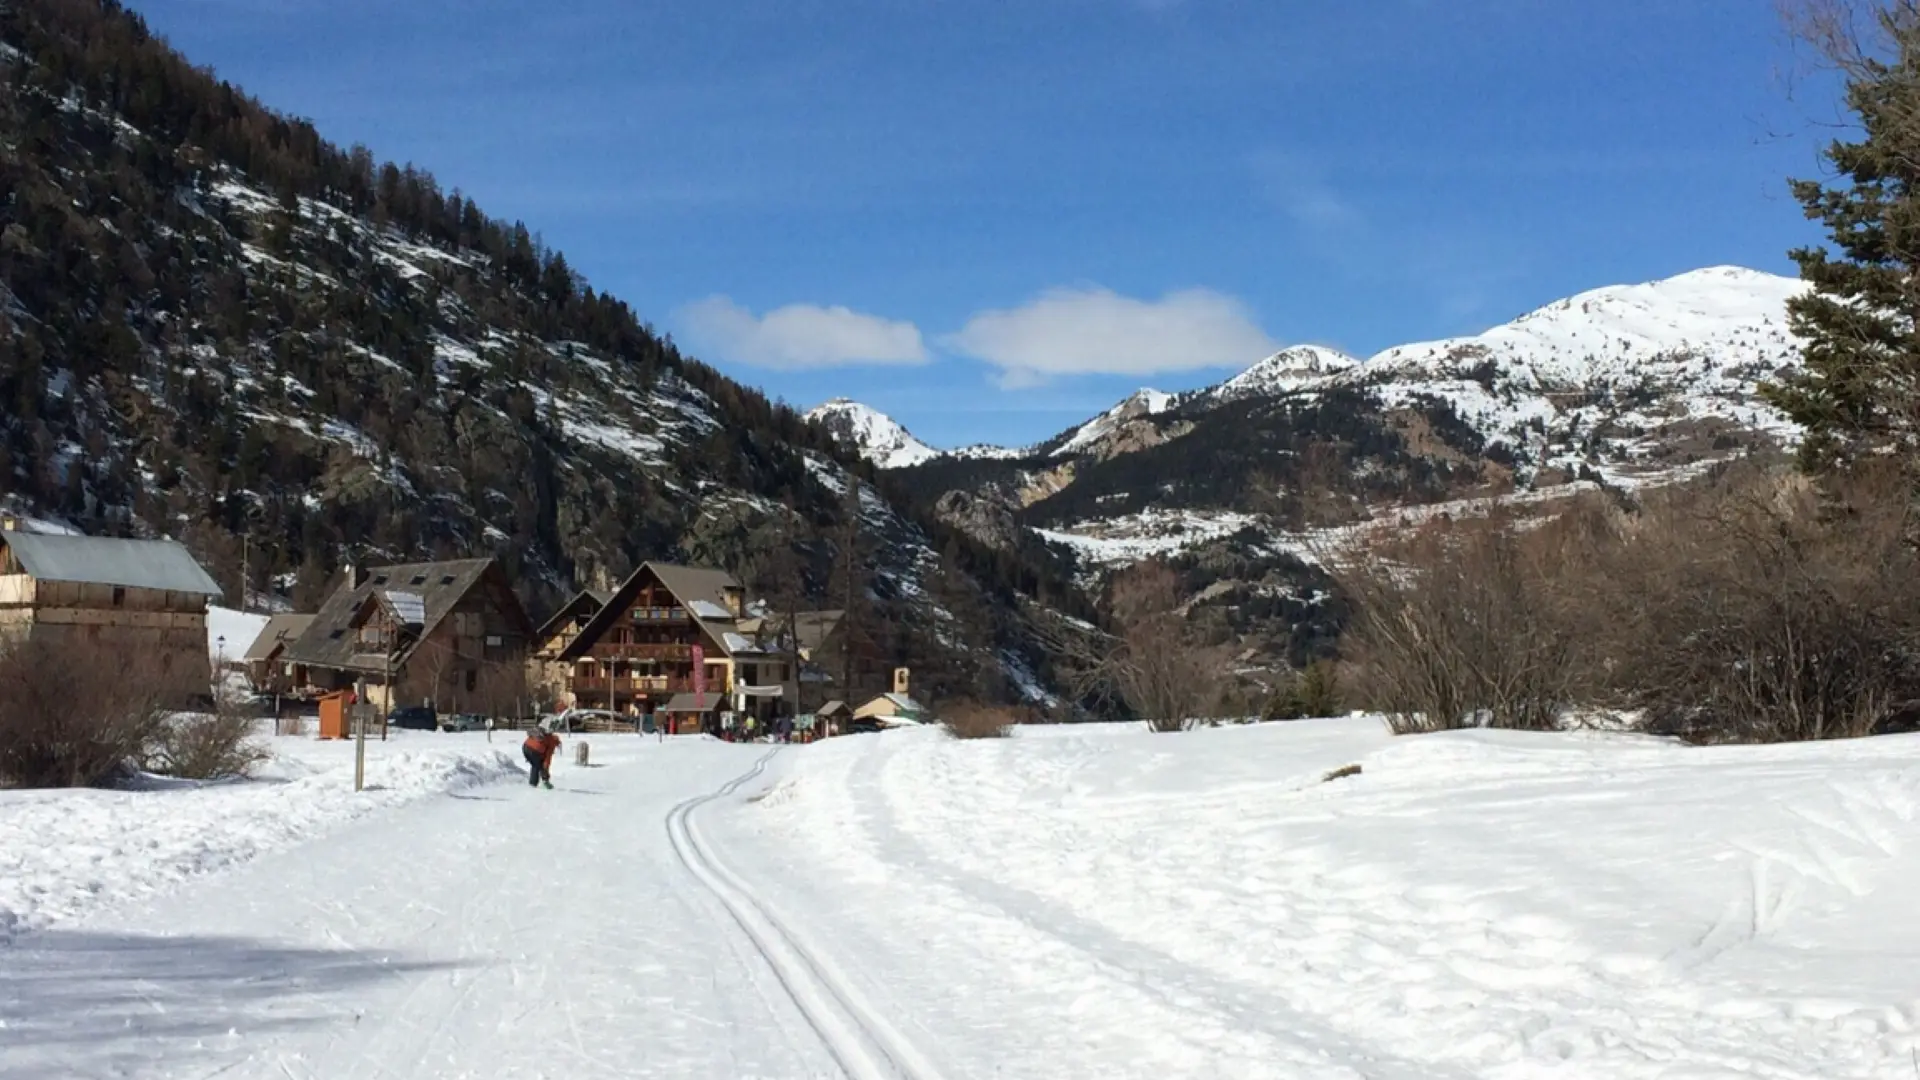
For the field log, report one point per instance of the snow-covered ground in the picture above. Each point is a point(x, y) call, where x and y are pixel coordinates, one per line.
point(231, 633)
point(1116, 903)
point(1072, 902)
point(69, 853)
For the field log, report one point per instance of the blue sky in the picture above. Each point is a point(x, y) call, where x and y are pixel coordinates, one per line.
point(991, 219)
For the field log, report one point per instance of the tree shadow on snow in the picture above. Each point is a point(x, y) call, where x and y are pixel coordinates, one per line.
point(93, 1004)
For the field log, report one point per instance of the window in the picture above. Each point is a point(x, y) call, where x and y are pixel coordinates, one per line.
point(119, 596)
point(447, 580)
point(419, 579)
point(381, 580)
point(337, 635)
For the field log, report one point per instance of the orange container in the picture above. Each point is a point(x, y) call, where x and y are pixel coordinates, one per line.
point(333, 714)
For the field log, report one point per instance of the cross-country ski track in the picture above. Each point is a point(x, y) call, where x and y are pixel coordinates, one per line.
point(1097, 902)
point(860, 1039)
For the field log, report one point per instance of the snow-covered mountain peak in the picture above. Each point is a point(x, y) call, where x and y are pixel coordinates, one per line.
point(1143, 402)
point(1726, 316)
point(877, 436)
point(1284, 371)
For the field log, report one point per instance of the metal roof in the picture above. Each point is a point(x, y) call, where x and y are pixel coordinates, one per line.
point(280, 631)
point(103, 560)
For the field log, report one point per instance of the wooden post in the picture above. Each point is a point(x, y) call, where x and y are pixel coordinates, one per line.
point(386, 709)
point(360, 737)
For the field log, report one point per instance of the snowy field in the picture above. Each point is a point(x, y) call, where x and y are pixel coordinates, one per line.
point(1074, 902)
point(69, 853)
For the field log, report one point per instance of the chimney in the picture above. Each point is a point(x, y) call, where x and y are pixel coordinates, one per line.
point(736, 600)
point(356, 575)
point(900, 678)
point(9, 523)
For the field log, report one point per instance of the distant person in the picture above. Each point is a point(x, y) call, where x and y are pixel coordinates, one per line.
point(783, 727)
point(539, 749)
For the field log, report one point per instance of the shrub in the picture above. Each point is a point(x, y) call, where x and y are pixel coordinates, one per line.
point(1314, 692)
point(1151, 664)
point(971, 720)
point(1769, 611)
point(74, 712)
point(1749, 607)
point(205, 746)
point(1464, 625)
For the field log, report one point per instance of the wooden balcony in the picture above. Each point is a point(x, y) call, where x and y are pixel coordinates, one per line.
point(657, 685)
point(655, 616)
point(614, 650)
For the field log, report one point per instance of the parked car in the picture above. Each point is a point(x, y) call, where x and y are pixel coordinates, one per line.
point(414, 718)
point(464, 722)
point(585, 719)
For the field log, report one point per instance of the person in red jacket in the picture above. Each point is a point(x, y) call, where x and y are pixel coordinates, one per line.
point(539, 750)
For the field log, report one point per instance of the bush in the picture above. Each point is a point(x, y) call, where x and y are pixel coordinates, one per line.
point(1312, 693)
point(205, 746)
point(1750, 607)
point(971, 720)
point(74, 712)
point(1464, 625)
point(1770, 611)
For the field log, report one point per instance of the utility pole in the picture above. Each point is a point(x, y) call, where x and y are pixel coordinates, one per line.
point(245, 543)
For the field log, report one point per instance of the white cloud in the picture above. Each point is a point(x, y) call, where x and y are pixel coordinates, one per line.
point(799, 336)
point(1094, 331)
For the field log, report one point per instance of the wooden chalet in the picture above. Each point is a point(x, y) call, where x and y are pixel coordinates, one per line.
point(447, 634)
point(267, 666)
point(139, 596)
point(547, 674)
point(641, 650)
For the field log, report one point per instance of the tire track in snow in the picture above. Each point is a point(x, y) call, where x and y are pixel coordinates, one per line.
point(860, 1040)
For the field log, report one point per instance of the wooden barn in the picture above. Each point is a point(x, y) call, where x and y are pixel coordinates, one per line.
point(146, 598)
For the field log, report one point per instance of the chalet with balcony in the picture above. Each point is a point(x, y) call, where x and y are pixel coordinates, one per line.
point(447, 634)
point(676, 641)
point(138, 596)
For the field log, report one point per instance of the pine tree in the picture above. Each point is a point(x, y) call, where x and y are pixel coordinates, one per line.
point(1859, 391)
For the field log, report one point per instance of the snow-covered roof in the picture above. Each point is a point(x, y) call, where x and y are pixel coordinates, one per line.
point(739, 643)
point(707, 609)
point(408, 607)
point(100, 560)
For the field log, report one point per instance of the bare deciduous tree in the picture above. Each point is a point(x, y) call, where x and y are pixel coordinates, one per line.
point(1149, 662)
point(73, 711)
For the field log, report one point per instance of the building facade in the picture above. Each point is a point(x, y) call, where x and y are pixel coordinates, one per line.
point(451, 635)
point(144, 599)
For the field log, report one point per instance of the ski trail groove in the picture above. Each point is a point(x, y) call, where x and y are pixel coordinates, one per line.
point(860, 1040)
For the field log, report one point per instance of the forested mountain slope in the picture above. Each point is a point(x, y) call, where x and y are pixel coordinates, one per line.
point(216, 325)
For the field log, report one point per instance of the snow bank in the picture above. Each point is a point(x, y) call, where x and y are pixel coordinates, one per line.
point(1479, 904)
point(65, 853)
point(238, 628)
